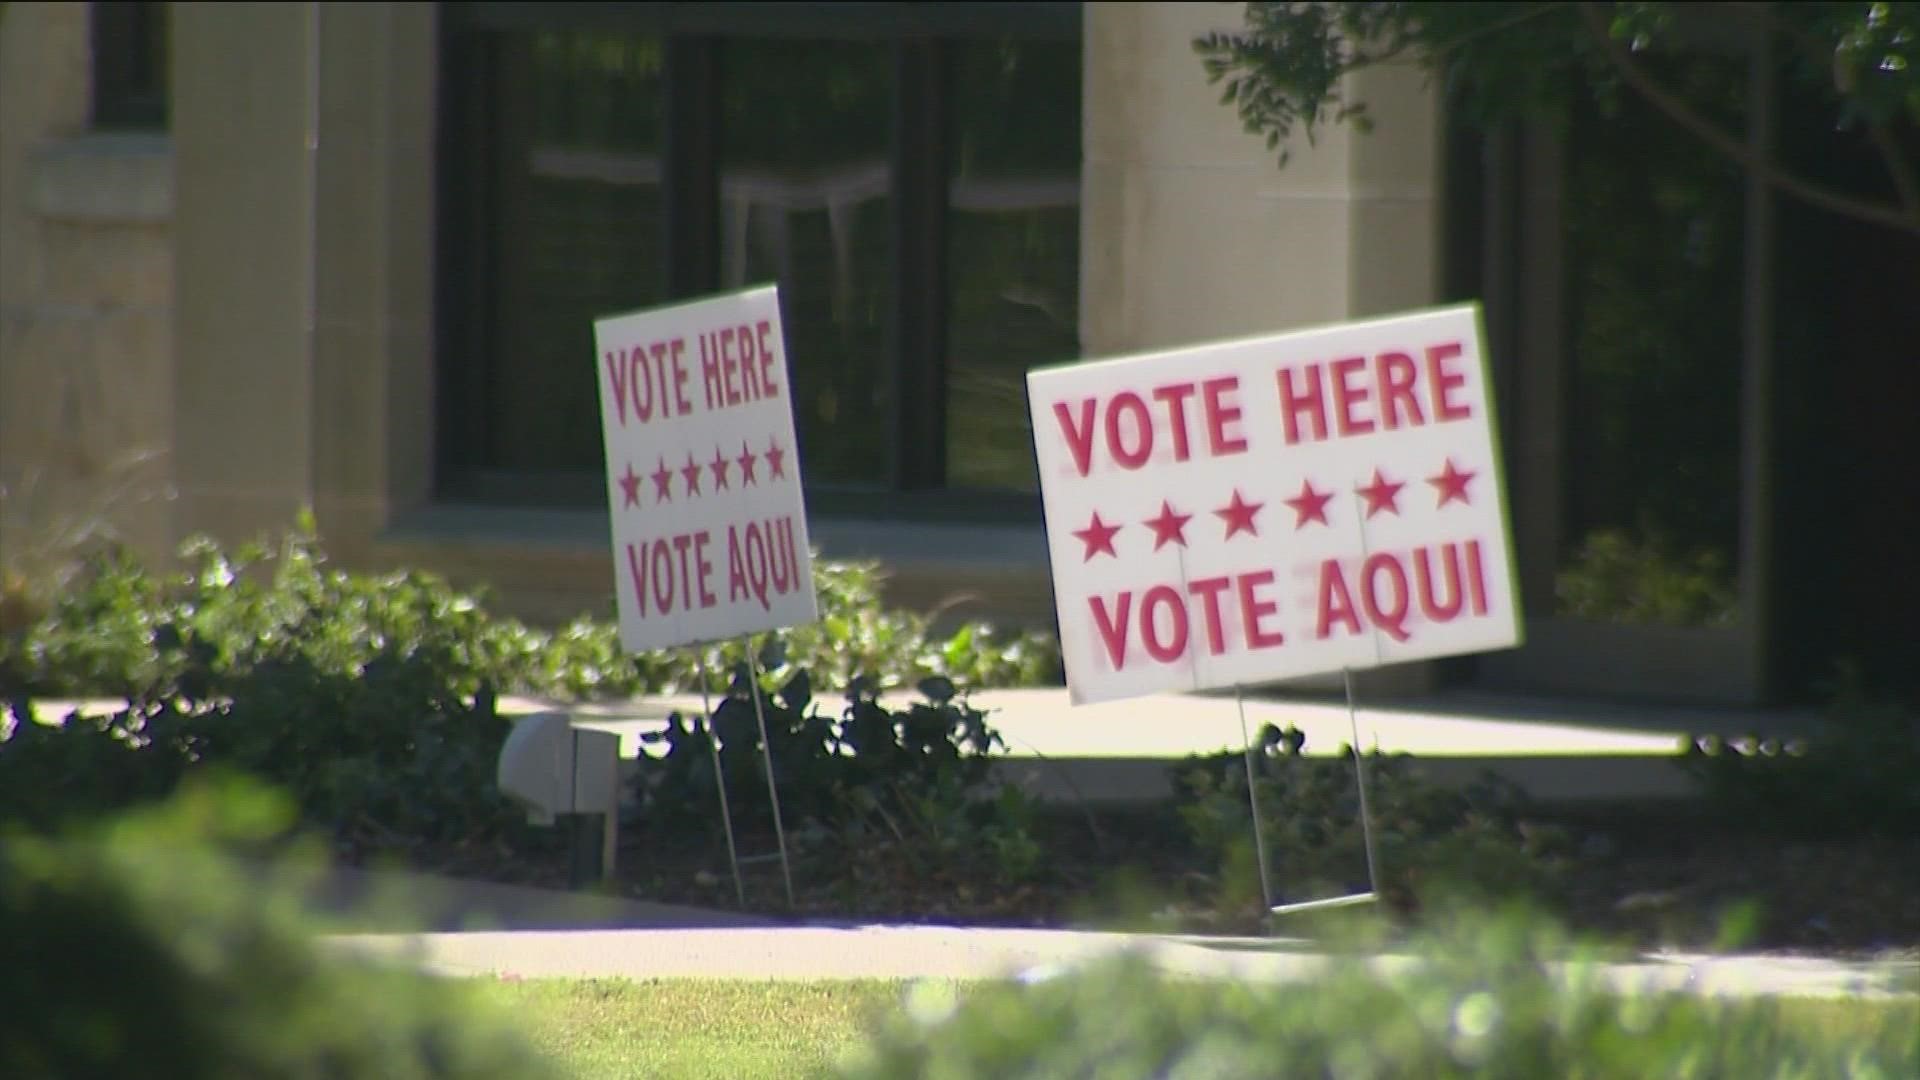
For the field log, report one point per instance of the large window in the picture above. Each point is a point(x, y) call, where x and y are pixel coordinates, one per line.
point(907, 173)
point(1654, 281)
point(1623, 262)
point(129, 65)
point(1015, 250)
point(807, 199)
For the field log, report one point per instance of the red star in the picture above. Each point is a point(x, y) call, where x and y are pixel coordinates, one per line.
point(1169, 526)
point(776, 458)
point(1309, 505)
point(1238, 515)
point(663, 482)
point(692, 474)
point(1452, 484)
point(1098, 536)
point(630, 486)
point(1381, 495)
point(746, 460)
point(719, 467)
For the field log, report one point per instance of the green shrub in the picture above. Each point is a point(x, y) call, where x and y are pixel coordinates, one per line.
point(125, 631)
point(368, 697)
point(1860, 775)
point(48, 520)
point(1616, 578)
point(876, 787)
point(144, 947)
point(858, 636)
point(1491, 998)
point(368, 700)
point(119, 629)
point(1428, 838)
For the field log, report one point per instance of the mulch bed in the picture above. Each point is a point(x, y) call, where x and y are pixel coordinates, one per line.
point(1665, 882)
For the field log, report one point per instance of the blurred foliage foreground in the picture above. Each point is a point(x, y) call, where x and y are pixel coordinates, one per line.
point(171, 943)
point(153, 945)
point(1483, 997)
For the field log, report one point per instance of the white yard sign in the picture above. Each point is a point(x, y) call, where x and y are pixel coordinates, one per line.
point(1276, 507)
point(709, 526)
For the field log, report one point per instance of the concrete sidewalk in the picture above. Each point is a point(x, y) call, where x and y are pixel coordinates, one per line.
point(1557, 751)
point(471, 928)
point(915, 952)
point(379, 901)
point(481, 929)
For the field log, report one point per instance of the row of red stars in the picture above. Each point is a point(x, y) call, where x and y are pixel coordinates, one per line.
point(1310, 506)
point(662, 474)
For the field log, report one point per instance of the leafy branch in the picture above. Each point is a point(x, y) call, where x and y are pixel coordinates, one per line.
point(1284, 71)
point(1905, 219)
point(1879, 128)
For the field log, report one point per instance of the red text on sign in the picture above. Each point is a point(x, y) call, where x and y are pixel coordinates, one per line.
point(736, 364)
point(1124, 424)
point(674, 574)
point(763, 561)
point(1387, 585)
point(1362, 397)
point(1161, 618)
point(671, 573)
point(649, 379)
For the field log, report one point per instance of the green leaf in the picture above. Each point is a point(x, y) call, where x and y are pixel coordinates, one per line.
point(798, 692)
point(773, 653)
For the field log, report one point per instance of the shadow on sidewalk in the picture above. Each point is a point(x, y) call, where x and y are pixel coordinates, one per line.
point(393, 901)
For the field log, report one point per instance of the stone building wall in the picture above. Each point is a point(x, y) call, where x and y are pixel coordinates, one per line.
point(86, 296)
point(244, 305)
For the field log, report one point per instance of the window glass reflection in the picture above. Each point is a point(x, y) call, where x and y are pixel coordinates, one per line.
point(805, 188)
point(1654, 232)
point(580, 228)
point(1013, 249)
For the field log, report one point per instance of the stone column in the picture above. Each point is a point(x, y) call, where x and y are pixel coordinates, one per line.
point(1192, 232)
point(244, 128)
point(304, 137)
point(373, 359)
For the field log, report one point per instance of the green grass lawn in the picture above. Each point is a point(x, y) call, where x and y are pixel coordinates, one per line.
point(696, 1027)
point(740, 1030)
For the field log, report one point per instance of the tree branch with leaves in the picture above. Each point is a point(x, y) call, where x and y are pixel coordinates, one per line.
point(1286, 69)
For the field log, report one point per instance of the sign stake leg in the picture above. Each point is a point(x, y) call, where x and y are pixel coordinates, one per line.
point(1253, 802)
point(1360, 779)
point(766, 754)
point(720, 783)
point(1372, 894)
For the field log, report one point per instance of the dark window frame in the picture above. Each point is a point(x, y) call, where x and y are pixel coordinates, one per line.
point(919, 35)
point(130, 39)
point(884, 21)
point(1505, 244)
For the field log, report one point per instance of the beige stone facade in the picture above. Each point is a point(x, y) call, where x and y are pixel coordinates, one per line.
point(1190, 232)
point(252, 293)
point(86, 302)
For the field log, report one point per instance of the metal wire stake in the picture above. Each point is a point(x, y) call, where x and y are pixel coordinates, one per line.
point(1366, 826)
point(720, 782)
point(766, 753)
point(1253, 801)
point(1360, 777)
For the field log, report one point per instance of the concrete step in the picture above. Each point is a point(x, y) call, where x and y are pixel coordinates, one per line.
point(1558, 751)
point(1120, 751)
